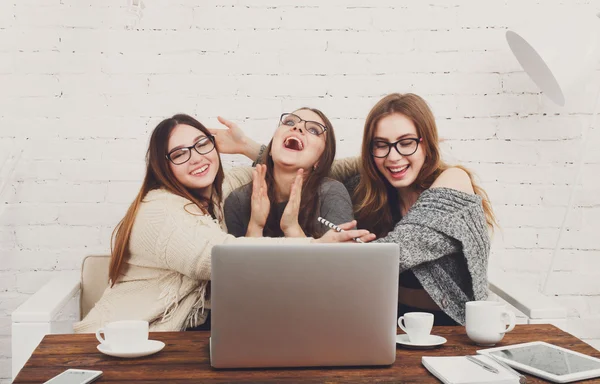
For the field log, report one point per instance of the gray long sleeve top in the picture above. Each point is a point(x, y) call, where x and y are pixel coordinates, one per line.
point(335, 205)
point(445, 241)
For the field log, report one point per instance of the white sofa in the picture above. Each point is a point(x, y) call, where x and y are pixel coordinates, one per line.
point(70, 296)
point(56, 306)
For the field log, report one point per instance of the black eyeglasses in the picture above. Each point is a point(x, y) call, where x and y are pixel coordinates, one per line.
point(407, 147)
point(313, 127)
point(182, 155)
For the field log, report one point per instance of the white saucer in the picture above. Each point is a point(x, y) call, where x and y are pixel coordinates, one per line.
point(148, 348)
point(432, 342)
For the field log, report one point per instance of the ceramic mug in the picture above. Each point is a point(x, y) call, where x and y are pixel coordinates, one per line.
point(417, 326)
point(124, 335)
point(486, 322)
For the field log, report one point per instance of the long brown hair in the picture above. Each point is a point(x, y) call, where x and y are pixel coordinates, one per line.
point(374, 194)
point(159, 175)
point(310, 200)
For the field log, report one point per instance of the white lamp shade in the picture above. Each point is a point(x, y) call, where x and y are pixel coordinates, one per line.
point(558, 53)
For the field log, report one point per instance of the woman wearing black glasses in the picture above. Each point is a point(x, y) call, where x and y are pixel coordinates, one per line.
point(436, 213)
point(303, 141)
point(160, 262)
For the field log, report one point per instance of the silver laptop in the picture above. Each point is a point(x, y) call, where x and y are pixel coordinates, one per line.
point(303, 305)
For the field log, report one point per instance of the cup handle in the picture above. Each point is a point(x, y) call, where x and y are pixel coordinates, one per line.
point(100, 339)
point(400, 324)
point(512, 320)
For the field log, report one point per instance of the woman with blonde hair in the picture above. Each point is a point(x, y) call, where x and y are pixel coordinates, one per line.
point(161, 252)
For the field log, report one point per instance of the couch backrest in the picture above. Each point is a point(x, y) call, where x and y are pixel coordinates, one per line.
point(94, 280)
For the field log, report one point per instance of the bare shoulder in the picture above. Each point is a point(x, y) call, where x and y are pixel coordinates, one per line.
point(454, 178)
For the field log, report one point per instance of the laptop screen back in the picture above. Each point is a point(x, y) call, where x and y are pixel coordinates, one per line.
point(303, 305)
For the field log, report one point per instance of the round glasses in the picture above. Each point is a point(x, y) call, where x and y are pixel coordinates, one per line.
point(182, 155)
point(313, 127)
point(404, 147)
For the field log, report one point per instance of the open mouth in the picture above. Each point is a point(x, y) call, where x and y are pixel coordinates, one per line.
point(200, 171)
point(398, 172)
point(293, 144)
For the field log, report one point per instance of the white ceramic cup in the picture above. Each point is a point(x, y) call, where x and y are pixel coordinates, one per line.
point(124, 335)
point(417, 326)
point(486, 322)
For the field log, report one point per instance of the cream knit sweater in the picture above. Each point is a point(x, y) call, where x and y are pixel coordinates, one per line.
point(165, 279)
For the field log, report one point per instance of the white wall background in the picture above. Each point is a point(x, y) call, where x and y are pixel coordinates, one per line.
point(83, 82)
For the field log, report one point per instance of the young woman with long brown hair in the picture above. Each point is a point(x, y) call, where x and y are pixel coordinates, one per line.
point(304, 140)
point(160, 262)
point(405, 194)
point(436, 213)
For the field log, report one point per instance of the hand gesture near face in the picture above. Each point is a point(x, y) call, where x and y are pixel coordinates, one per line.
point(289, 220)
point(260, 204)
point(231, 140)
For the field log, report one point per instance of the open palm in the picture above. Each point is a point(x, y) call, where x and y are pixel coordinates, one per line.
point(260, 204)
point(289, 219)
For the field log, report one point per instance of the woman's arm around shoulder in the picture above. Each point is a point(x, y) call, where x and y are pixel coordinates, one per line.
point(454, 178)
point(344, 169)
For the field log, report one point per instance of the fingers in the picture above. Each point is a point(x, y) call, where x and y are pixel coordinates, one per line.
point(368, 238)
point(256, 182)
point(262, 174)
point(259, 184)
point(225, 122)
point(349, 235)
point(299, 178)
point(296, 191)
point(348, 226)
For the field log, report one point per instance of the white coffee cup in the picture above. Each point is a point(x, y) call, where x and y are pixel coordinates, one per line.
point(124, 335)
point(417, 326)
point(486, 322)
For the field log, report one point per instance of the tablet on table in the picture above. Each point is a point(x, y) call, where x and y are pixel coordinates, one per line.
point(548, 361)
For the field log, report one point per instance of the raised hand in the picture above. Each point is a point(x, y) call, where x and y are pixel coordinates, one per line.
point(260, 204)
point(289, 219)
point(233, 140)
point(332, 236)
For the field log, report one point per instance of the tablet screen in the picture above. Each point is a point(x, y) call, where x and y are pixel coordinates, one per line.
point(548, 359)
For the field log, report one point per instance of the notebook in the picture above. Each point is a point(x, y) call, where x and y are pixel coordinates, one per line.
point(459, 370)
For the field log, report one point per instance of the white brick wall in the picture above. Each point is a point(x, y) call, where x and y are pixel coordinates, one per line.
point(83, 82)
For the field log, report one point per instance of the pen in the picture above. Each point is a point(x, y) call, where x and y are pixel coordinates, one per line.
point(482, 364)
point(336, 228)
point(522, 379)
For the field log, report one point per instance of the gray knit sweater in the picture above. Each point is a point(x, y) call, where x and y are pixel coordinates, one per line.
point(444, 240)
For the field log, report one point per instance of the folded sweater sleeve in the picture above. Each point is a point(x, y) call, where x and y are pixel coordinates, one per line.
point(442, 221)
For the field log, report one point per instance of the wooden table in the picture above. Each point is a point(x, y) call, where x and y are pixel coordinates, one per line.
point(185, 358)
